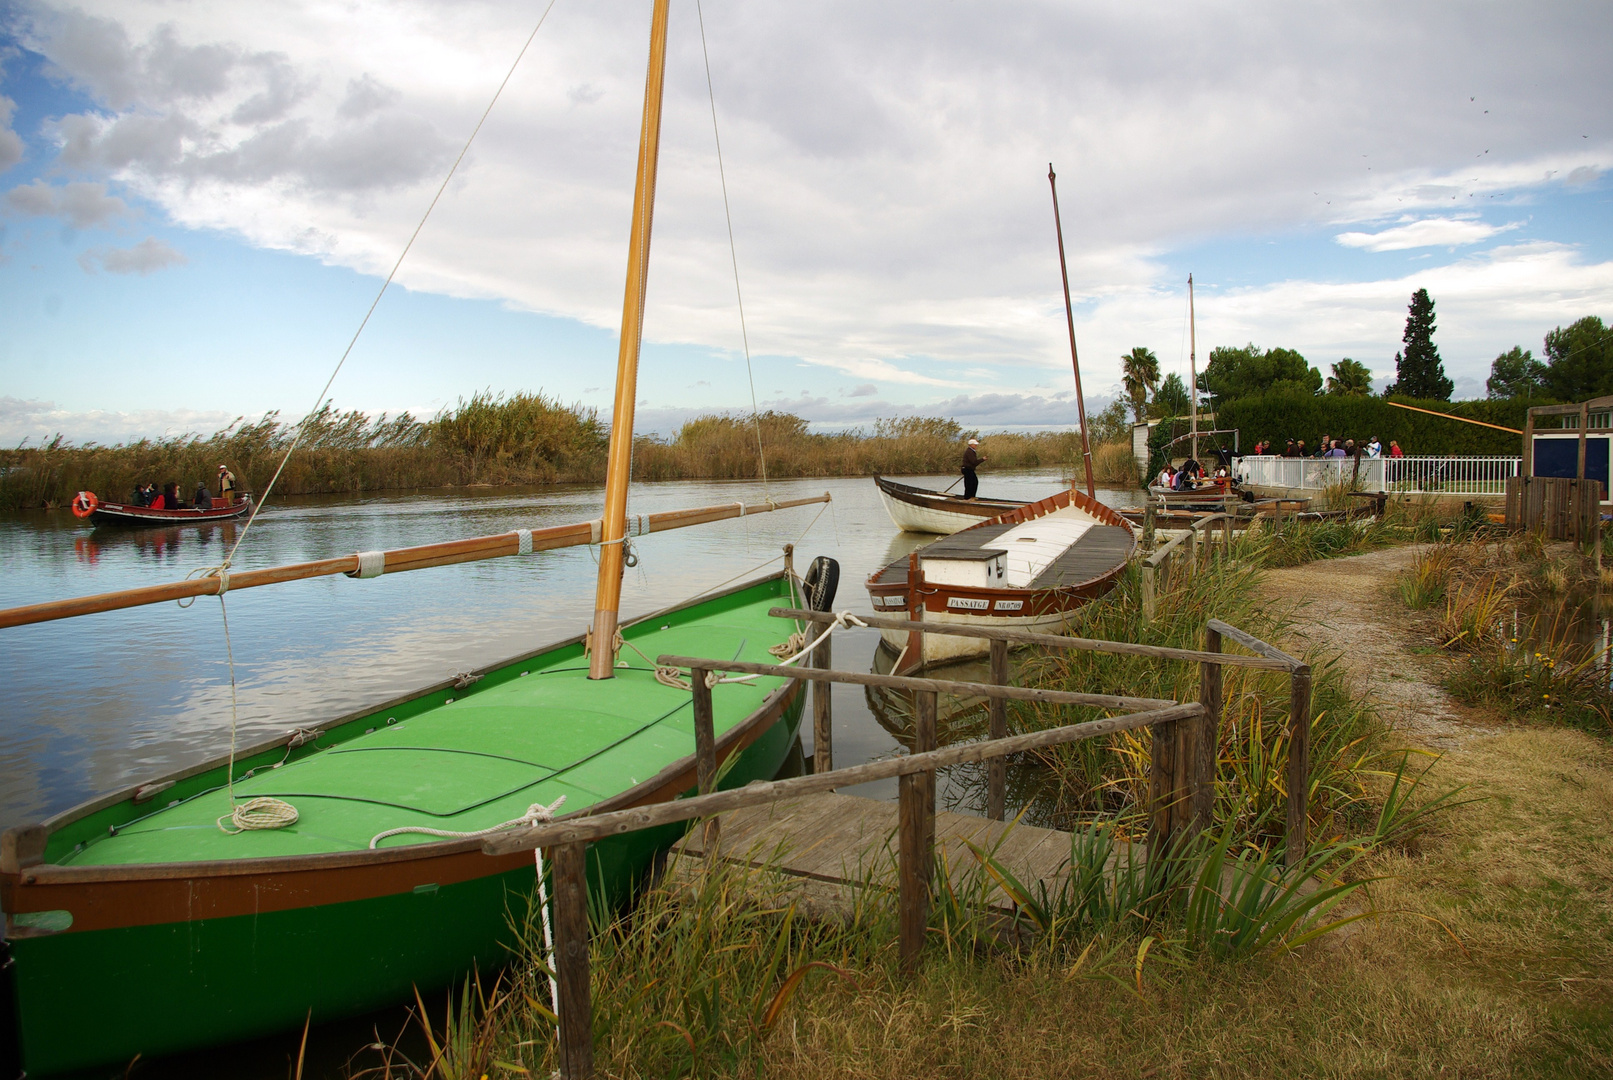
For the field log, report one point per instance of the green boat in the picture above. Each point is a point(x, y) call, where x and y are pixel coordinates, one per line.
point(171, 933)
point(146, 923)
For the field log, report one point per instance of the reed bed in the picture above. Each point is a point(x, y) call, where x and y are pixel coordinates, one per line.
point(521, 439)
point(1521, 617)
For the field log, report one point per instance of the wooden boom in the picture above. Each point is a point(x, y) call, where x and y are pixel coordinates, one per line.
point(395, 561)
point(1453, 416)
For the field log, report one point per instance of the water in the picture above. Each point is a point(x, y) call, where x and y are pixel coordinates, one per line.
point(100, 702)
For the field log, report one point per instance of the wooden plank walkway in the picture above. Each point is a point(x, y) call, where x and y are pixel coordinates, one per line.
point(825, 848)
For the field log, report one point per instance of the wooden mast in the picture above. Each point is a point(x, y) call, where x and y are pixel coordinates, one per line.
point(608, 594)
point(1069, 318)
point(1192, 367)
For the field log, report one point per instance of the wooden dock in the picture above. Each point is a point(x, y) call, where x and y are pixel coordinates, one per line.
point(825, 848)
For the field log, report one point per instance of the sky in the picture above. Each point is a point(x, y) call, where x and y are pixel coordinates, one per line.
point(198, 204)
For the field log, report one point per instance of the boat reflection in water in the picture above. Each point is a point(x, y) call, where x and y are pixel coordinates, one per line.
point(166, 543)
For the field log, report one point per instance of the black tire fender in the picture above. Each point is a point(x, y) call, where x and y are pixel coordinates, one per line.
point(820, 582)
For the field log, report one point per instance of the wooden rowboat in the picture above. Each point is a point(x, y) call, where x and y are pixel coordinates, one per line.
point(110, 513)
point(1026, 568)
point(915, 509)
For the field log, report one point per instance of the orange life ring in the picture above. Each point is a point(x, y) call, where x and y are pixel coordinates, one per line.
point(84, 504)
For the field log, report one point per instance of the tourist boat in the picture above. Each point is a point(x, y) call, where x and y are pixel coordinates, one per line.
point(141, 923)
point(86, 505)
point(1028, 568)
point(920, 510)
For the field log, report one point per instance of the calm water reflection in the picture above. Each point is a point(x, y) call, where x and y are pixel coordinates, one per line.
point(98, 702)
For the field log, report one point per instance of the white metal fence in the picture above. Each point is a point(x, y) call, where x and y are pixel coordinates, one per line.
point(1410, 475)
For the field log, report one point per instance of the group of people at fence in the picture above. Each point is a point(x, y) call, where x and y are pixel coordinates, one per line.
point(168, 498)
point(1330, 448)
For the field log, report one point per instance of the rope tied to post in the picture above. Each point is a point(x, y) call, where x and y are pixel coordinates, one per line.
point(536, 814)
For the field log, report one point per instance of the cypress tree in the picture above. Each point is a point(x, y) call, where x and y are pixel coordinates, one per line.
point(1419, 373)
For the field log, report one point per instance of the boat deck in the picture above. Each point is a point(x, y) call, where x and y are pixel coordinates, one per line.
point(1099, 550)
point(529, 733)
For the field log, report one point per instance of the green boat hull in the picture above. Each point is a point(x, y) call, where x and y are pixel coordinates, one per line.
point(100, 996)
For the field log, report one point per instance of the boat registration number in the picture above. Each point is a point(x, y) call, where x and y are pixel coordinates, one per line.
point(1010, 605)
point(967, 603)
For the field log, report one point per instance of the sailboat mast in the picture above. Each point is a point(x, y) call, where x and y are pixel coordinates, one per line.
point(1192, 367)
point(1069, 318)
point(613, 533)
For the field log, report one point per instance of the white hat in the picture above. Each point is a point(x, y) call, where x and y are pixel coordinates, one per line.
point(222, 468)
point(974, 442)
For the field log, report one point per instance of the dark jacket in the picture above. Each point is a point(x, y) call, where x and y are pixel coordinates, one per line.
point(970, 457)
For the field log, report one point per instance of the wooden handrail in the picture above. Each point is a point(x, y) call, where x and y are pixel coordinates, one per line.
point(1057, 641)
point(397, 560)
point(585, 829)
point(908, 682)
point(1255, 645)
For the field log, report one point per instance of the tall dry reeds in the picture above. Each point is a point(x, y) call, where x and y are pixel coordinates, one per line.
point(522, 439)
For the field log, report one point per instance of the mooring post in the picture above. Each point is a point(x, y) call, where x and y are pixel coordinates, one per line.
point(705, 748)
point(997, 770)
point(1205, 742)
point(823, 754)
point(916, 842)
point(570, 881)
point(1299, 764)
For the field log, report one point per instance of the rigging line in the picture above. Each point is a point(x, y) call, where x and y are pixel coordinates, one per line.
point(733, 250)
point(302, 426)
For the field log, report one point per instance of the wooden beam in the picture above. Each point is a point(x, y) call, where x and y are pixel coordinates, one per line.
point(997, 770)
point(909, 682)
point(1297, 841)
point(1255, 645)
point(705, 745)
point(1453, 416)
point(823, 756)
point(913, 885)
point(570, 878)
point(1205, 741)
point(584, 828)
point(397, 560)
point(1270, 660)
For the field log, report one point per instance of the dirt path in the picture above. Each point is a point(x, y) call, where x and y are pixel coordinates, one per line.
point(1348, 606)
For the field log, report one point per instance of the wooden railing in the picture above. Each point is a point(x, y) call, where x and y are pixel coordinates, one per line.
point(1181, 784)
point(1199, 543)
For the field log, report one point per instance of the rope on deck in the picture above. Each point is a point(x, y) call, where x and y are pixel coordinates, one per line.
point(536, 814)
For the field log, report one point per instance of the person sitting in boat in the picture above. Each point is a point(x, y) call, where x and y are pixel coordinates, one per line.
point(203, 499)
point(143, 494)
point(226, 484)
point(971, 459)
point(1167, 476)
point(169, 499)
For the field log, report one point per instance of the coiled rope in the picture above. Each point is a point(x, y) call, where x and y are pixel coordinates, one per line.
point(262, 812)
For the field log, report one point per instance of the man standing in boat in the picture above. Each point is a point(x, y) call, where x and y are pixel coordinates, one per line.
point(226, 485)
point(971, 458)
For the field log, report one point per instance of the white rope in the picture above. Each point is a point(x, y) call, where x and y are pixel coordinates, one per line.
point(370, 564)
point(259, 813)
point(536, 814)
point(523, 541)
point(303, 425)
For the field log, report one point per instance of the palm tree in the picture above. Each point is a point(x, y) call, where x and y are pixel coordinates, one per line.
point(1350, 378)
point(1139, 370)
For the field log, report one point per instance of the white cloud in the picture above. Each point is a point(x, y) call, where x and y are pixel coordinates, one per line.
point(83, 204)
point(40, 421)
point(886, 163)
point(1426, 232)
point(146, 257)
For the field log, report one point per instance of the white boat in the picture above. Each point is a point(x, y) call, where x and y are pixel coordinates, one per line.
point(920, 510)
point(1027, 568)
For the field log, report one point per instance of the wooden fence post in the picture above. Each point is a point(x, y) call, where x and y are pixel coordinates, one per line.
point(705, 747)
point(1299, 764)
point(1150, 604)
point(916, 842)
point(1226, 539)
point(570, 882)
point(997, 770)
point(1162, 788)
point(823, 755)
point(1201, 764)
